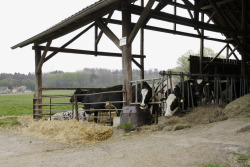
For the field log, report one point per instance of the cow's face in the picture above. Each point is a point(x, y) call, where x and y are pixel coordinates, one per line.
point(146, 95)
point(172, 105)
point(79, 98)
point(198, 88)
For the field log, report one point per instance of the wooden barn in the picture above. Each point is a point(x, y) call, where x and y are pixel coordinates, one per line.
point(231, 18)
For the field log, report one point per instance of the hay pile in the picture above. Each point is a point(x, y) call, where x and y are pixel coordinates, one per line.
point(239, 108)
point(71, 131)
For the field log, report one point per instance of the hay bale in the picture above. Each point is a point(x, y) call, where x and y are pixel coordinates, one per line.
point(71, 131)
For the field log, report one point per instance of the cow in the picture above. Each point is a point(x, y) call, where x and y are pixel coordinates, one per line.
point(144, 94)
point(175, 101)
point(204, 91)
point(161, 91)
point(82, 115)
point(78, 92)
point(208, 91)
point(100, 99)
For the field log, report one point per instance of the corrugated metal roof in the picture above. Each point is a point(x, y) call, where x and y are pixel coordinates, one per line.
point(86, 11)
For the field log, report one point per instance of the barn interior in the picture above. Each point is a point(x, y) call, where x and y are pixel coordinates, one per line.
point(228, 17)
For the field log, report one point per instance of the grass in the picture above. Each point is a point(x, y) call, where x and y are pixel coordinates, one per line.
point(12, 105)
point(16, 104)
point(22, 104)
point(241, 159)
point(214, 164)
point(127, 126)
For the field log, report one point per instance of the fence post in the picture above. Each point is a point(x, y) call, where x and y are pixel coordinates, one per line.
point(50, 107)
point(76, 108)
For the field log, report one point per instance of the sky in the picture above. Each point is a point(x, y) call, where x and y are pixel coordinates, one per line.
point(21, 20)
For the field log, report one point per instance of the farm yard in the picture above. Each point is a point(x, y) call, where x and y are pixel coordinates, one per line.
point(203, 120)
point(215, 135)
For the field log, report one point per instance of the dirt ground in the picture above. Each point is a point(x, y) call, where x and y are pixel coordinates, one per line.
point(206, 135)
point(222, 142)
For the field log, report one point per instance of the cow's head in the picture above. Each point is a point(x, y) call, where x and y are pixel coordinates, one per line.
point(198, 88)
point(172, 105)
point(146, 95)
point(79, 98)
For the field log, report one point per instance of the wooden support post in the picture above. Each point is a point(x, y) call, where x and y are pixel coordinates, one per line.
point(227, 53)
point(126, 53)
point(142, 47)
point(175, 12)
point(244, 37)
point(38, 91)
point(201, 44)
point(96, 43)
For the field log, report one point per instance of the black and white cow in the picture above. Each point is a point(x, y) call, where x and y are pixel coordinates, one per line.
point(161, 91)
point(204, 91)
point(175, 100)
point(100, 99)
point(82, 115)
point(144, 93)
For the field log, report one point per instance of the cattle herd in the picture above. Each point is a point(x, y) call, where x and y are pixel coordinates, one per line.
point(171, 95)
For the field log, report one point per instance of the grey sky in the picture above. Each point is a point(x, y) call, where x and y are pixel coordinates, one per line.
point(24, 19)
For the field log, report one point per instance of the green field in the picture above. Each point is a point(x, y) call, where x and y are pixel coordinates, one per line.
point(22, 104)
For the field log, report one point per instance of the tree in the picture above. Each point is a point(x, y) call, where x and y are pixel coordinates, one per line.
point(183, 63)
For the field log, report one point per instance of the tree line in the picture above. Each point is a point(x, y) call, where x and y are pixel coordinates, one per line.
point(88, 77)
point(92, 77)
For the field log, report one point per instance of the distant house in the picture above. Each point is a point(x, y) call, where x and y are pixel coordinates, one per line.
point(19, 89)
point(3, 89)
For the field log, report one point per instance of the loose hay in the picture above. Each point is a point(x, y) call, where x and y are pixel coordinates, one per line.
point(239, 108)
point(71, 131)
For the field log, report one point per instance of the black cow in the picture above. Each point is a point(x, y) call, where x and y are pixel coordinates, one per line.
point(208, 91)
point(204, 91)
point(175, 100)
point(79, 98)
point(100, 99)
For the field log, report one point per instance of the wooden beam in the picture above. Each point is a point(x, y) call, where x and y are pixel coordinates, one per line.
point(69, 42)
point(140, 22)
point(136, 63)
point(190, 5)
point(232, 53)
point(171, 31)
point(101, 33)
point(211, 17)
point(182, 20)
point(218, 54)
point(233, 33)
point(40, 64)
point(215, 56)
point(218, 4)
point(108, 32)
point(162, 4)
point(87, 52)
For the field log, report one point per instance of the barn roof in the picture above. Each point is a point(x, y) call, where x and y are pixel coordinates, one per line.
point(226, 14)
point(230, 16)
